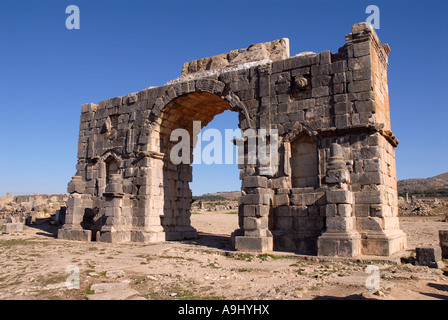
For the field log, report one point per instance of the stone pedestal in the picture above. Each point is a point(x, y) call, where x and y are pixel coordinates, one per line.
point(254, 234)
point(383, 243)
point(113, 230)
point(70, 233)
point(181, 233)
point(148, 236)
point(429, 256)
point(341, 244)
point(254, 244)
point(76, 205)
point(340, 238)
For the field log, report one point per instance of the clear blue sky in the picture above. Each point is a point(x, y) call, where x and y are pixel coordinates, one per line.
point(47, 71)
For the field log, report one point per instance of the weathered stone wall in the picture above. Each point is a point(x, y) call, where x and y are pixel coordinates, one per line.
point(334, 192)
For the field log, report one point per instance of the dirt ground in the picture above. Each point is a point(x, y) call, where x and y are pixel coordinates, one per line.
point(35, 265)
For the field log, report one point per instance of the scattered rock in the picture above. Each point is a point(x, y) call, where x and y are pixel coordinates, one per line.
point(114, 274)
point(12, 227)
point(429, 256)
point(112, 291)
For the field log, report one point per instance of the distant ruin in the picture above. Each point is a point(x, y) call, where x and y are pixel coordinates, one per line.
point(335, 190)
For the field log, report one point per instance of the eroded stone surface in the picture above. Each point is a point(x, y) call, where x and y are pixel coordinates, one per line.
point(273, 51)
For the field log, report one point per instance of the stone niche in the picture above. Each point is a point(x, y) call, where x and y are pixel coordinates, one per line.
point(333, 191)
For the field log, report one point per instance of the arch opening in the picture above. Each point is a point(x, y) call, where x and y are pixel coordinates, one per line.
point(191, 112)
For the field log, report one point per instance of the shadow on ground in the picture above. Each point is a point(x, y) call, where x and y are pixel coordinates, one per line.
point(204, 239)
point(210, 240)
point(47, 229)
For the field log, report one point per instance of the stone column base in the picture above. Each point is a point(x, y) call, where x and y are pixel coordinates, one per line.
point(339, 244)
point(234, 234)
point(181, 233)
point(75, 234)
point(383, 243)
point(148, 236)
point(300, 242)
point(113, 236)
point(254, 244)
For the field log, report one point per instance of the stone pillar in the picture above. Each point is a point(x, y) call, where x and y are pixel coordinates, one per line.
point(255, 208)
point(76, 206)
point(340, 237)
point(112, 230)
point(147, 225)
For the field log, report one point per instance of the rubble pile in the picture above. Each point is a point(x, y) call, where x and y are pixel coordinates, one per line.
point(25, 209)
point(420, 207)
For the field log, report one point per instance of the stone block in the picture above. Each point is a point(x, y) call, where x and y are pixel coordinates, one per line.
point(368, 197)
point(362, 210)
point(339, 196)
point(372, 165)
point(380, 210)
point(320, 92)
point(303, 104)
point(342, 120)
point(251, 223)
point(362, 28)
point(339, 78)
point(337, 176)
point(340, 223)
point(254, 244)
point(443, 242)
point(281, 199)
point(345, 210)
point(320, 81)
point(369, 223)
point(367, 178)
point(340, 108)
point(255, 182)
point(325, 57)
point(361, 49)
point(331, 210)
point(338, 67)
point(309, 199)
point(89, 107)
point(304, 60)
point(280, 183)
point(257, 199)
point(76, 185)
point(365, 106)
point(429, 257)
point(249, 210)
point(362, 74)
point(283, 211)
point(341, 245)
point(359, 63)
point(12, 227)
point(359, 86)
point(77, 235)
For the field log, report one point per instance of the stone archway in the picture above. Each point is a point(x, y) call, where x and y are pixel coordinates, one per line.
point(181, 113)
point(340, 98)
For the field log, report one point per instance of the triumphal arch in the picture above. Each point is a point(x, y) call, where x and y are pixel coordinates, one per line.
point(329, 187)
